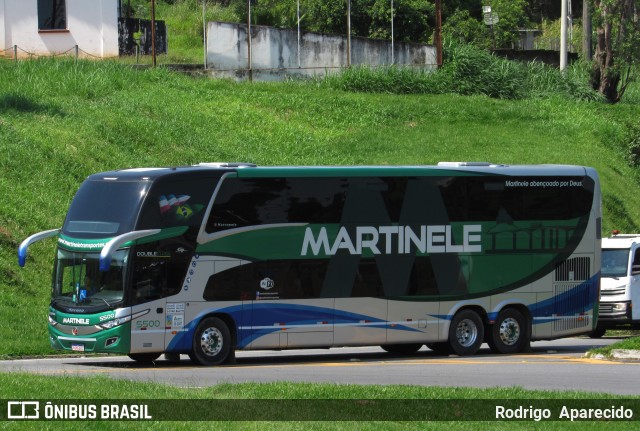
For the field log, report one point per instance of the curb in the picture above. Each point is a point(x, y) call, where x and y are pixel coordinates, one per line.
point(633, 355)
point(625, 355)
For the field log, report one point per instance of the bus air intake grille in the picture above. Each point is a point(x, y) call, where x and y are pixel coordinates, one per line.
point(576, 269)
point(570, 308)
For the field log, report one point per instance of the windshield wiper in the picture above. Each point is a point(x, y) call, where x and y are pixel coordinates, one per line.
point(106, 302)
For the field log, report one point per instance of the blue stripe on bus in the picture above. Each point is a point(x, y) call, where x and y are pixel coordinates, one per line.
point(264, 315)
point(577, 300)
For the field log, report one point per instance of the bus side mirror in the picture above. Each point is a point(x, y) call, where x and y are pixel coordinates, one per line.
point(635, 270)
point(117, 242)
point(22, 250)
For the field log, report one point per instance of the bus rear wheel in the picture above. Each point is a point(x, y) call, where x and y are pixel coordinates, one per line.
point(144, 358)
point(402, 349)
point(509, 332)
point(466, 333)
point(211, 342)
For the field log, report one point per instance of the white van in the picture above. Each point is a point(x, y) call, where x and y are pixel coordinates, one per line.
point(620, 284)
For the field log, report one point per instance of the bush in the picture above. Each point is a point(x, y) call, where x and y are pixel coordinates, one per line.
point(468, 70)
point(632, 144)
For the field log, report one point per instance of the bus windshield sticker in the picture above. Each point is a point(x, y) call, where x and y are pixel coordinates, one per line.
point(171, 201)
point(175, 209)
point(267, 284)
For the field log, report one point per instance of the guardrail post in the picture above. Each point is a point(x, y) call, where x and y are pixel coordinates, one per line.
point(15, 53)
point(77, 53)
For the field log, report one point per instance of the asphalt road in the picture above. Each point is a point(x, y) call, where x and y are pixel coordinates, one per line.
point(552, 365)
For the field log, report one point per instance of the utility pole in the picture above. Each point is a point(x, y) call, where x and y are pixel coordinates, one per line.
point(393, 60)
point(563, 36)
point(298, 17)
point(586, 30)
point(348, 33)
point(153, 32)
point(249, 40)
point(438, 35)
point(204, 28)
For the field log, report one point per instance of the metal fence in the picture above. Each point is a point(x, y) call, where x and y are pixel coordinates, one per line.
point(16, 52)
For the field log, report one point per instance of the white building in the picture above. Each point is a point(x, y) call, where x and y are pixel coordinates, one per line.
point(46, 27)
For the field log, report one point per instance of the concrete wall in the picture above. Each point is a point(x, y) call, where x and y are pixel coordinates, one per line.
point(91, 24)
point(319, 53)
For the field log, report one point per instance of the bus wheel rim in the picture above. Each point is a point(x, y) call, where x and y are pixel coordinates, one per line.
point(211, 341)
point(466, 333)
point(509, 331)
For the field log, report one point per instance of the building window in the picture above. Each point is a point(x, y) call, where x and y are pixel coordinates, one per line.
point(52, 15)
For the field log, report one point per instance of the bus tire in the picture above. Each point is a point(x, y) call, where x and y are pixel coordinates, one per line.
point(440, 348)
point(509, 332)
point(402, 349)
point(211, 342)
point(144, 358)
point(466, 333)
point(172, 357)
point(597, 333)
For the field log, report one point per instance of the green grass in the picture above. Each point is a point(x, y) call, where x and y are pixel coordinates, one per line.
point(25, 386)
point(61, 121)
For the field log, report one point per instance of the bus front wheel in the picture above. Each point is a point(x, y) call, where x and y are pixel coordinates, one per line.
point(402, 349)
point(211, 342)
point(440, 348)
point(509, 332)
point(466, 333)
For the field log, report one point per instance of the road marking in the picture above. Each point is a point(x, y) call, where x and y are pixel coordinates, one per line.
point(107, 368)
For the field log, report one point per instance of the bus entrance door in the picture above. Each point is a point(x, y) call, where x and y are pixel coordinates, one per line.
point(148, 330)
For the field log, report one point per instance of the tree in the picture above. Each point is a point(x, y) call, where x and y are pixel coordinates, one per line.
point(369, 18)
point(512, 16)
point(462, 27)
point(411, 20)
point(617, 24)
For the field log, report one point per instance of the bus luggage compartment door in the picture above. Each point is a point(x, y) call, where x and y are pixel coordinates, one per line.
point(281, 324)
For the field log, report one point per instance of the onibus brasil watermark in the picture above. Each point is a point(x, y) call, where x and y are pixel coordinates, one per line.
point(25, 410)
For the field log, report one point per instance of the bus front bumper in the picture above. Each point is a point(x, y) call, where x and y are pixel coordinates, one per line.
point(114, 340)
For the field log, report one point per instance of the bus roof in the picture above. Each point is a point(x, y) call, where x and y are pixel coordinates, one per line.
point(247, 170)
point(357, 171)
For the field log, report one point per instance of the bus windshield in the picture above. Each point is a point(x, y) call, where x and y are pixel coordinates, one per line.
point(104, 209)
point(77, 280)
point(615, 262)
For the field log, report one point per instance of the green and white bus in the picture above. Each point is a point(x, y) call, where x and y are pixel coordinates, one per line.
point(208, 259)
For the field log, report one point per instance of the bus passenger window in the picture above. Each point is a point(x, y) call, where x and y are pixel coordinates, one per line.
point(156, 278)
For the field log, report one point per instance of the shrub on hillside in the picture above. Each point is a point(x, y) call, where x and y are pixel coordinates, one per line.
point(468, 70)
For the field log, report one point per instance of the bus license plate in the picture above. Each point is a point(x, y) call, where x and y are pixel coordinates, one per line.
point(77, 347)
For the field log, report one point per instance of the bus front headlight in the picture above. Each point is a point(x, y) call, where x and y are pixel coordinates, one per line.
point(121, 320)
point(620, 307)
point(115, 322)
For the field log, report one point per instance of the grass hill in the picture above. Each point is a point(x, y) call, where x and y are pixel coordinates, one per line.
point(61, 121)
